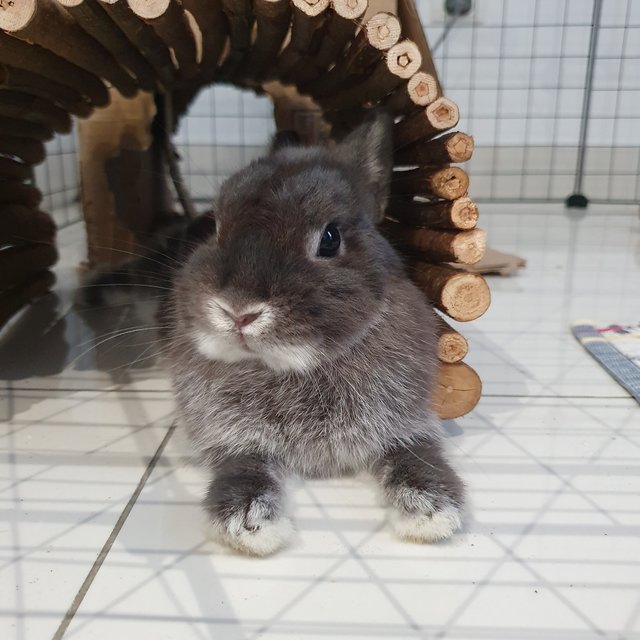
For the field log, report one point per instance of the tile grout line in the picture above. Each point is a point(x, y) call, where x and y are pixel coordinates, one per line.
point(168, 391)
point(106, 548)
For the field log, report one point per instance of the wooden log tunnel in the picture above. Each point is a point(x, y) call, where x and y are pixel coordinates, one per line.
point(115, 63)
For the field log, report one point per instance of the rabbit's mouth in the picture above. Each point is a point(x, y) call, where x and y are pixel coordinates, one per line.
point(232, 348)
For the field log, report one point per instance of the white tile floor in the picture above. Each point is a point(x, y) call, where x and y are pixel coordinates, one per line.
point(101, 531)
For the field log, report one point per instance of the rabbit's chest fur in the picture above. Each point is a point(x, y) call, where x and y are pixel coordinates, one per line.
point(337, 418)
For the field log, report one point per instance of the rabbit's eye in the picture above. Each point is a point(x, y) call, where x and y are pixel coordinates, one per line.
point(330, 242)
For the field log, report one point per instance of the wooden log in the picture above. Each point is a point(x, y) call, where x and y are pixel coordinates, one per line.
point(16, 192)
point(449, 183)
point(24, 106)
point(240, 19)
point(419, 91)
point(458, 390)
point(399, 62)
point(311, 8)
point(460, 295)
point(144, 38)
point(25, 129)
point(28, 82)
point(124, 188)
point(451, 147)
point(444, 214)
point(293, 111)
point(13, 170)
point(452, 346)
point(17, 264)
point(272, 25)
point(439, 116)
point(412, 28)
point(36, 59)
point(97, 23)
point(26, 149)
point(307, 21)
point(213, 29)
point(338, 30)
point(350, 9)
point(435, 245)
point(12, 301)
point(381, 32)
point(45, 22)
point(21, 225)
point(169, 21)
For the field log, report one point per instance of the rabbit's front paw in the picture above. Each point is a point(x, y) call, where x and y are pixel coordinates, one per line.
point(424, 493)
point(256, 530)
point(430, 525)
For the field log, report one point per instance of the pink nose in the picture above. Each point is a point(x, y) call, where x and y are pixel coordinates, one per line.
point(245, 319)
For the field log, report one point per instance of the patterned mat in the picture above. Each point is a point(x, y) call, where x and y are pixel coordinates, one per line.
point(616, 348)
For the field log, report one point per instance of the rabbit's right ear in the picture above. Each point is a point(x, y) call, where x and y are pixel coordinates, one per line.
point(369, 149)
point(285, 138)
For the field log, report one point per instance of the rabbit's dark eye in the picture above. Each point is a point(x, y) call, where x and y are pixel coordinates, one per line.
point(330, 242)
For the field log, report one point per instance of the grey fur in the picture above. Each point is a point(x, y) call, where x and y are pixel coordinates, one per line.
point(357, 399)
point(364, 404)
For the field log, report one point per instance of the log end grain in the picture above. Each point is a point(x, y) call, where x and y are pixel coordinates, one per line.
point(465, 297)
point(452, 346)
point(450, 183)
point(404, 59)
point(469, 246)
point(149, 9)
point(464, 213)
point(350, 9)
point(460, 147)
point(383, 31)
point(15, 16)
point(422, 88)
point(311, 7)
point(443, 114)
point(458, 390)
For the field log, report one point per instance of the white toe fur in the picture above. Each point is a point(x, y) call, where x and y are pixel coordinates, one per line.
point(263, 539)
point(426, 527)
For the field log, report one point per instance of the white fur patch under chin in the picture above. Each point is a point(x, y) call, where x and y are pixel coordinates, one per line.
point(290, 357)
point(217, 348)
point(426, 527)
point(262, 540)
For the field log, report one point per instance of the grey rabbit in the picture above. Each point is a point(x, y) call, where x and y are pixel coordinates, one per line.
point(299, 347)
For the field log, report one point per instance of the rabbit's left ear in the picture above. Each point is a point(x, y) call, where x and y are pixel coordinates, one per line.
point(369, 150)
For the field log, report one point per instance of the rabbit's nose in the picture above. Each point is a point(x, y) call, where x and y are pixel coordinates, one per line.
point(245, 319)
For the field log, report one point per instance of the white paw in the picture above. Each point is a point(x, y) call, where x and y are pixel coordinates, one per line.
point(253, 534)
point(426, 527)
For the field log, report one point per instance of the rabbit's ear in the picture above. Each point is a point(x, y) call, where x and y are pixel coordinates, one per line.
point(202, 227)
point(285, 138)
point(369, 150)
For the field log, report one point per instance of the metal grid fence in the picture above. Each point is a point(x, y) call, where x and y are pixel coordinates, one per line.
point(520, 74)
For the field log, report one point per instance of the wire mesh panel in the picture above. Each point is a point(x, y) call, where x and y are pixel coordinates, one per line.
point(518, 71)
point(59, 180)
point(225, 129)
